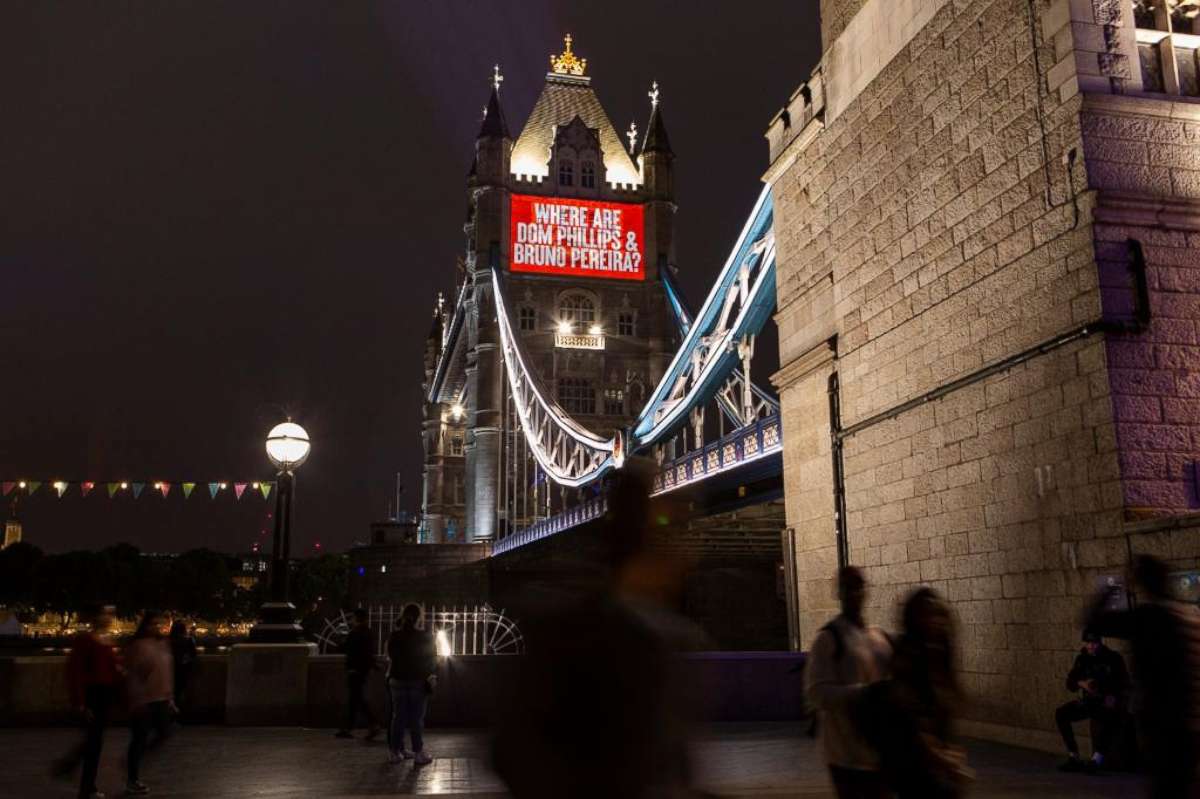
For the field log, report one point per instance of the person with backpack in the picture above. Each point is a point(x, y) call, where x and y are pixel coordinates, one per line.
point(1165, 638)
point(846, 657)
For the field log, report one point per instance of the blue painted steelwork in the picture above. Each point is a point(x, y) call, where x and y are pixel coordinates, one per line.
point(742, 446)
point(708, 354)
point(572, 517)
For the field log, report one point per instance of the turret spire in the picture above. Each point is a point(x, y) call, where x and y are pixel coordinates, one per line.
point(656, 131)
point(494, 126)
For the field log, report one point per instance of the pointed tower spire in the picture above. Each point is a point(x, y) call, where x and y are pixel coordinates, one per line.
point(656, 131)
point(494, 126)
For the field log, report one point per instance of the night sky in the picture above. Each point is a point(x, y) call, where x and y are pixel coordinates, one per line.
point(213, 214)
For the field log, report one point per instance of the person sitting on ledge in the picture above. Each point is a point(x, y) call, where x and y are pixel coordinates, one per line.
point(1100, 678)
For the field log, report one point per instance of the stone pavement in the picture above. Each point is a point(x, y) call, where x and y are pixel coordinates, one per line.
point(733, 760)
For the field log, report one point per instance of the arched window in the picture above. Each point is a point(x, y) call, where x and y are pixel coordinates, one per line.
point(587, 175)
point(576, 395)
point(577, 309)
point(566, 173)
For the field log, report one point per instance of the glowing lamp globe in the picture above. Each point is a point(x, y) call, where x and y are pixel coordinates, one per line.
point(287, 445)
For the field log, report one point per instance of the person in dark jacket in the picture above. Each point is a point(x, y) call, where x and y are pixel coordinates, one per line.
point(1165, 637)
point(93, 677)
point(909, 718)
point(360, 662)
point(412, 667)
point(183, 651)
point(1101, 680)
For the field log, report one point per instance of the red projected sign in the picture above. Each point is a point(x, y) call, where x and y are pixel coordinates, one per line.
point(577, 238)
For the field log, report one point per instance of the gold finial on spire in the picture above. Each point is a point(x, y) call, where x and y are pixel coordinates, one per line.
point(567, 63)
point(631, 134)
point(653, 95)
point(497, 78)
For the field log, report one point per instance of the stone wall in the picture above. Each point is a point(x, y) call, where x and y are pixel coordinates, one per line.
point(938, 223)
point(835, 15)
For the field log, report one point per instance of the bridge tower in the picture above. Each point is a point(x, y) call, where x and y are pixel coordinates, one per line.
point(579, 227)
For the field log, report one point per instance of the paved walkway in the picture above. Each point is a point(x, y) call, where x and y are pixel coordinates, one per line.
point(733, 760)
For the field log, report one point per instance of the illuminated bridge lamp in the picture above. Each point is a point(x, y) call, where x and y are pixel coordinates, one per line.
point(595, 330)
point(456, 410)
point(287, 447)
point(565, 327)
point(443, 644)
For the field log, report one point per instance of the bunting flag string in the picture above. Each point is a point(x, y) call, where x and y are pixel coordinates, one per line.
point(115, 488)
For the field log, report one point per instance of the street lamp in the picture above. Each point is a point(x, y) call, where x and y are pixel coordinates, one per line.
point(287, 447)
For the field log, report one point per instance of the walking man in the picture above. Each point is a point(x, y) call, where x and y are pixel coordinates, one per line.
point(93, 675)
point(845, 658)
point(360, 662)
point(1165, 636)
point(1100, 678)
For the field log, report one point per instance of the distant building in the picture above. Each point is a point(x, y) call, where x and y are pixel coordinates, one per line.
point(578, 228)
point(401, 530)
point(12, 527)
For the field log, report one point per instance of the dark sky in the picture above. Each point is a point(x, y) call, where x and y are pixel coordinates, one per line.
point(213, 213)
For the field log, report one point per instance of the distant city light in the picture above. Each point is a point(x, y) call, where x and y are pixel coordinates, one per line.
point(383, 568)
point(362, 570)
point(443, 644)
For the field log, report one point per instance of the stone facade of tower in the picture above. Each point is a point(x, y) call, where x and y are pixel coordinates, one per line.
point(966, 196)
point(598, 341)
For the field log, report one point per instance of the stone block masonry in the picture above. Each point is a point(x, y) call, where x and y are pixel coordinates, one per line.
point(953, 231)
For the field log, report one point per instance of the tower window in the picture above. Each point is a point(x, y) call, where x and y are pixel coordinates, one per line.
point(527, 318)
point(575, 395)
point(456, 445)
point(614, 402)
point(587, 175)
point(566, 173)
point(577, 309)
point(626, 324)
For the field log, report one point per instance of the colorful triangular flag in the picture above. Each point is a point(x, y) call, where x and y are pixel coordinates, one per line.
point(34, 486)
point(213, 488)
point(60, 488)
point(238, 488)
point(112, 489)
point(265, 488)
point(187, 489)
point(165, 488)
point(137, 489)
point(86, 487)
point(6, 488)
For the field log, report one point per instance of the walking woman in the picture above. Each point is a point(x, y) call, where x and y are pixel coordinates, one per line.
point(150, 686)
point(913, 712)
point(412, 663)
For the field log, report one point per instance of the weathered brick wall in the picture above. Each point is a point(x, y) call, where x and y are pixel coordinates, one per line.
point(933, 228)
point(834, 16)
point(1142, 156)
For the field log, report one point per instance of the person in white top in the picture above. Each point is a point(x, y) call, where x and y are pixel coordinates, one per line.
point(846, 657)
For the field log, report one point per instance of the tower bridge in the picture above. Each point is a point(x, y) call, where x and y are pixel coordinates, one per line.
point(569, 347)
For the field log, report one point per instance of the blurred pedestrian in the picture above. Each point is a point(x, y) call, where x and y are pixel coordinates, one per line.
point(360, 662)
point(150, 687)
point(846, 656)
point(1100, 679)
point(411, 678)
point(600, 708)
point(93, 676)
point(909, 717)
point(1165, 638)
point(185, 657)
